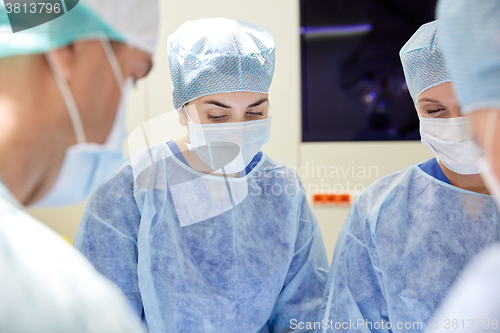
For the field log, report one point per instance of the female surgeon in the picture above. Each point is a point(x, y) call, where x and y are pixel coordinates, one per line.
point(207, 233)
point(410, 234)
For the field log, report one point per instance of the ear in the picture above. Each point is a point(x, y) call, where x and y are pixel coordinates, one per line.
point(65, 60)
point(182, 117)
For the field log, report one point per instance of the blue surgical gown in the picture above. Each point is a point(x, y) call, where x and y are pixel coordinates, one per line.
point(405, 240)
point(252, 268)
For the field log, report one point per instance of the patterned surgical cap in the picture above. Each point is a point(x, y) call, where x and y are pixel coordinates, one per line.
point(423, 62)
point(219, 55)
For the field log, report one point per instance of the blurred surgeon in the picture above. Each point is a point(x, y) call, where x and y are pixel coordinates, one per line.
point(410, 234)
point(60, 87)
point(471, 46)
point(470, 32)
point(473, 304)
point(207, 233)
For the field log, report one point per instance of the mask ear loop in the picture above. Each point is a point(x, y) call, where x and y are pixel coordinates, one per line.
point(67, 95)
point(115, 65)
point(187, 114)
point(123, 86)
point(190, 122)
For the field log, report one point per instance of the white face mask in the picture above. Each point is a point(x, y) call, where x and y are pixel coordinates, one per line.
point(451, 141)
point(86, 165)
point(229, 147)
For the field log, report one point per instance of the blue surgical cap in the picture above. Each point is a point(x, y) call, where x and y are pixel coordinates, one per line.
point(423, 62)
point(470, 34)
point(135, 22)
point(219, 55)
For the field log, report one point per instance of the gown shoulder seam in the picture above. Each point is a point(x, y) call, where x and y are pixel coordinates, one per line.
point(112, 227)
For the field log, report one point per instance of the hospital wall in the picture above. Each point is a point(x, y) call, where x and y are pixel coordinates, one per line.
point(334, 167)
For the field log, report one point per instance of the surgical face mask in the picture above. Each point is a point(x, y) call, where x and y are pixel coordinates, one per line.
point(229, 147)
point(451, 141)
point(88, 165)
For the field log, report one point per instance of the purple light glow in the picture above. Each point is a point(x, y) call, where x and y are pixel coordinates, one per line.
point(336, 30)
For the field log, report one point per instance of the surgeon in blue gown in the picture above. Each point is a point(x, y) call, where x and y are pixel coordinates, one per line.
point(207, 233)
point(410, 234)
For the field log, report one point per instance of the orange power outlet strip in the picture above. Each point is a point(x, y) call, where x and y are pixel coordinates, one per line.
point(331, 199)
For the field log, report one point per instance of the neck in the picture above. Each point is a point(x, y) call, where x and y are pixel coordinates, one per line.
point(32, 142)
point(473, 183)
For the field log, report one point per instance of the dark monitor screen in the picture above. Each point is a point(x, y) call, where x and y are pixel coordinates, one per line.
point(353, 87)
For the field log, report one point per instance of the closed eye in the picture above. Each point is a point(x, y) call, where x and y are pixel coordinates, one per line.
point(217, 117)
point(256, 113)
point(436, 110)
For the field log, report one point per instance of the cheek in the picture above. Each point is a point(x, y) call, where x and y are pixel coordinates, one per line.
point(421, 113)
point(456, 112)
point(101, 106)
point(105, 91)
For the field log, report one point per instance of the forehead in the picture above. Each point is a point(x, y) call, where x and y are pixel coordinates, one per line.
point(443, 91)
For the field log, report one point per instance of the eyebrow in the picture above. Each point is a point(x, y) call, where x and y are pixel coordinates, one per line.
point(262, 101)
point(219, 104)
point(429, 100)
